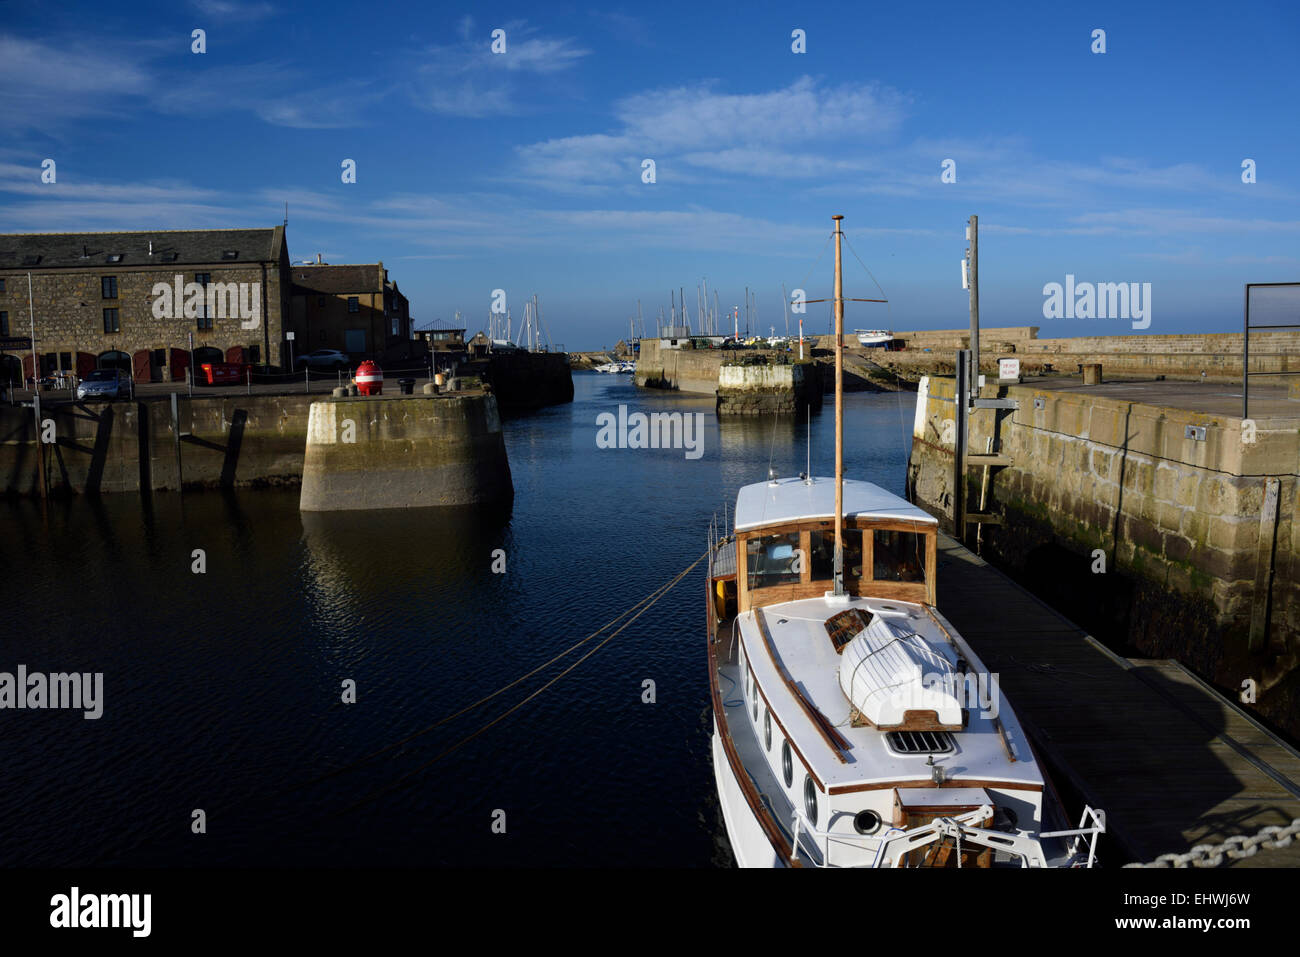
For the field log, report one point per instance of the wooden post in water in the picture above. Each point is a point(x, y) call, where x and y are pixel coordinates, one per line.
point(839, 413)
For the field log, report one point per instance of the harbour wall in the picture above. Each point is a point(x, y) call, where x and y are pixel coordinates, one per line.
point(1185, 356)
point(229, 441)
point(762, 389)
point(682, 370)
point(523, 381)
point(1119, 518)
point(405, 452)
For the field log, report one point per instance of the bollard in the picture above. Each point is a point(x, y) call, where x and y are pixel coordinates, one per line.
point(406, 386)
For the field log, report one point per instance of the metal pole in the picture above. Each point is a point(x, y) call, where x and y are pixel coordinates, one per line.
point(959, 450)
point(191, 368)
point(248, 379)
point(839, 413)
point(306, 378)
point(1245, 355)
point(36, 391)
point(973, 234)
point(176, 434)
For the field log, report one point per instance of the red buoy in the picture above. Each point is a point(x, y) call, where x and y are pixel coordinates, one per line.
point(370, 378)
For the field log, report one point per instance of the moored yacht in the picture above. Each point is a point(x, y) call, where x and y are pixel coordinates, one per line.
point(853, 725)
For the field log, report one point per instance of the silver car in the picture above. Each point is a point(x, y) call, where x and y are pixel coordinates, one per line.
point(105, 384)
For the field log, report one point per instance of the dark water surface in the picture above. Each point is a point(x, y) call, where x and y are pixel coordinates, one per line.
point(223, 690)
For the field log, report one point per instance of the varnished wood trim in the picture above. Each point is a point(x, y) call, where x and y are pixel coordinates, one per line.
point(927, 783)
point(931, 566)
point(834, 740)
point(765, 819)
point(786, 735)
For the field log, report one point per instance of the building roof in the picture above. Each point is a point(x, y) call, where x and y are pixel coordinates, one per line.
point(793, 500)
point(170, 246)
point(366, 277)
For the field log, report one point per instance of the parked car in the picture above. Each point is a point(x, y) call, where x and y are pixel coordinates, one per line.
point(327, 359)
point(105, 384)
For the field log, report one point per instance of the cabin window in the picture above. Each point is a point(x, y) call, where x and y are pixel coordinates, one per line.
point(898, 556)
point(767, 729)
point(822, 557)
point(787, 764)
point(773, 560)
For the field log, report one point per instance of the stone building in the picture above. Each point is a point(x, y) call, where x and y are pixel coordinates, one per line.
point(133, 300)
point(355, 309)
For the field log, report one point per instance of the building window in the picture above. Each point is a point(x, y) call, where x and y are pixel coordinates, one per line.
point(110, 321)
point(354, 304)
point(4, 323)
point(108, 285)
point(2, 285)
point(204, 319)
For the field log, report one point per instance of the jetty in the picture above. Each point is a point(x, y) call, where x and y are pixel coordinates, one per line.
point(1173, 763)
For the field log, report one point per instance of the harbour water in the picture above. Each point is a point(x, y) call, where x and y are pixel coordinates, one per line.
point(223, 690)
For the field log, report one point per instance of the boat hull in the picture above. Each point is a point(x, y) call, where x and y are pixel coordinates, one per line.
point(749, 842)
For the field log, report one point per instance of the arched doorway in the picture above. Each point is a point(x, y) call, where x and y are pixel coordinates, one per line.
point(207, 354)
point(11, 370)
point(114, 360)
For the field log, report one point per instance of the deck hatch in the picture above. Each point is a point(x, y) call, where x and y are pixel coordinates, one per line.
point(920, 742)
point(846, 626)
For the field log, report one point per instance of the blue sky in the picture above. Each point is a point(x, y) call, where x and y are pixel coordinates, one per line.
point(522, 170)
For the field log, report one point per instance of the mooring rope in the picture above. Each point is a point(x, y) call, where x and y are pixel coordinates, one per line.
point(643, 605)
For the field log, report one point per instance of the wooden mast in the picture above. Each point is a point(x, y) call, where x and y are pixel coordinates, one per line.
point(839, 414)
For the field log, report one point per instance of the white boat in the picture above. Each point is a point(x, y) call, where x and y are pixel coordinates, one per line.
point(874, 338)
point(608, 367)
point(853, 726)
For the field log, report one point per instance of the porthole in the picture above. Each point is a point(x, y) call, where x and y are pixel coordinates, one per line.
point(767, 729)
point(755, 704)
point(866, 822)
point(787, 763)
point(810, 799)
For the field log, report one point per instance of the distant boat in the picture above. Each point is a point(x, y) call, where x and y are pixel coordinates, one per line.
point(875, 338)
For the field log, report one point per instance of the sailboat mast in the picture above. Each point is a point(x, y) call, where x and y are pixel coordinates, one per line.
point(839, 414)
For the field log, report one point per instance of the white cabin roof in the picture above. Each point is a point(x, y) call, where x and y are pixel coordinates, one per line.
point(793, 500)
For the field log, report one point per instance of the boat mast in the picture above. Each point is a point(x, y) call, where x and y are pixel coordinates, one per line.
point(839, 414)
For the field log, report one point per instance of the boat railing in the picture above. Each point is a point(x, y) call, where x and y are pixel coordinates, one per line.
point(892, 846)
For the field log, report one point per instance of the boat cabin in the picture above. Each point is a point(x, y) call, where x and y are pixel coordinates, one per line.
point(785, 544)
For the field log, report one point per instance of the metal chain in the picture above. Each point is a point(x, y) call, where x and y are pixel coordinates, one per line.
point(1237, 847)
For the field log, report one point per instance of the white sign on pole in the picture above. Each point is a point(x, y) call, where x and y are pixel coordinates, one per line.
point(1008, 368)
point(289, 336)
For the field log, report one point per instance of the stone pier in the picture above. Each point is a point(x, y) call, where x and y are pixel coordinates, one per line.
point(404, 452)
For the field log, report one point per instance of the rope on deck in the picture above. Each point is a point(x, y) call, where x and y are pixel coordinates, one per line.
point(1236, 848)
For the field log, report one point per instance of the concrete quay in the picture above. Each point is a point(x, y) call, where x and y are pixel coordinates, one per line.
point(228, 440)
point(1149, 511)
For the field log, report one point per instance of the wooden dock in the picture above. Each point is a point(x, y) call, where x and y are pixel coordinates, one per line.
point(1170, 760)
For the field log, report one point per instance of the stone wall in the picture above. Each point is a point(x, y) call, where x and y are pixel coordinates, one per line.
point(682, 370)
point(768, 389)
point(227, 441)
point(407, 452)
point(1131, 527)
